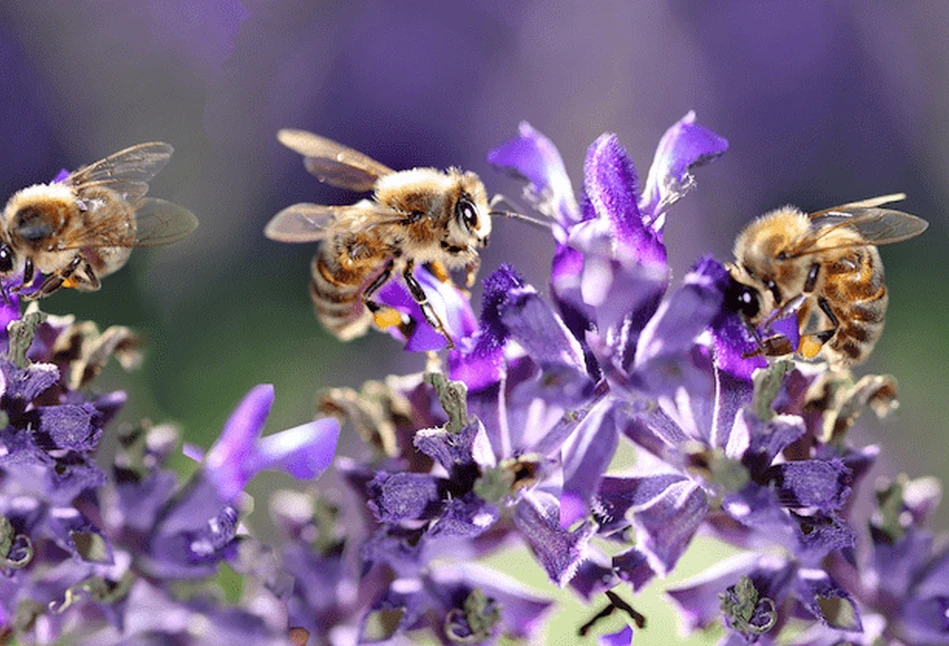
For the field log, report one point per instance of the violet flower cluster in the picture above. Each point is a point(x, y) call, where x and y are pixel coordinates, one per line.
point(514, 443)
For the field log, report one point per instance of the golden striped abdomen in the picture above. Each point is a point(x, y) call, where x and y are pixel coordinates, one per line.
point(340, 272)
point(855, 290)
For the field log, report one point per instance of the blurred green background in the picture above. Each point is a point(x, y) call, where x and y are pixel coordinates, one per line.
point(823, 103)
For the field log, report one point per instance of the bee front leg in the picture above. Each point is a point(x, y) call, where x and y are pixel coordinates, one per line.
point(415, 288)
point(471, 271)
point(57, 279)
point(28, 271)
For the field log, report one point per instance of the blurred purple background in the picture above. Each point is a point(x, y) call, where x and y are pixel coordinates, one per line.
point(823, 103)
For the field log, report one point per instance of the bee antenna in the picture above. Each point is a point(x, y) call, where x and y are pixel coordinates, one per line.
point(517, 215)
point(521, 216)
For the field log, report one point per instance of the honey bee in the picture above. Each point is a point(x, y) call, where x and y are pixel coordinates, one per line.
point(416, 216)
point(824, 265)
point(82, 228)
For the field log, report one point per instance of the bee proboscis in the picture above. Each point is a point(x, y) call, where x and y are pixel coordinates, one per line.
point(826, 267)
point(79, 229)
point(416, 216)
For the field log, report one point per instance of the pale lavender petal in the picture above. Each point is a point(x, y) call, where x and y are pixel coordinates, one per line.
point(824, 484)
point(665, 526)
point(821, 534)
point(559, 551)
point(227, 459)
point(616, 495)
point(28, 383)
point(594, 576)
point(684, 146)
point(304, 451)
point(534, 157)
point(586, 455)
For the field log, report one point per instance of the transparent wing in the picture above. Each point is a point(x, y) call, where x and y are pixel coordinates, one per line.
point(159, 222)
point(876, 226)
point(312, 222)
point(334, 163)
point(127, 172)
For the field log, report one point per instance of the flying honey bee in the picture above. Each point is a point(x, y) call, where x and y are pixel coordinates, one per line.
point(82, 228)
point(824, 265)
point(416, 216)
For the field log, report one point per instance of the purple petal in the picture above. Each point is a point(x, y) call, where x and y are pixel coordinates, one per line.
point(227, 458)
point(304, 451)
point(559, 551)
point(617, 495)
point(611, 186)
point(686, 313)
point(814, 586)
point(766, 439)
point(623, 637)
point(925, 620)
point(586, 455)
point(71, 530)
point(452, 308)
point(812, 483)
point(28, 383)
point(70, 427)
point(666, 525)
point(820, 534)
point(734, 347)
point(534, 157)
point(483, 364)
point(140, 502)
point(594, 576)
point(61, 176)
point(684, 146)
point(467, 517)
point(451, 450)
point(402, 496)
point(632, 566)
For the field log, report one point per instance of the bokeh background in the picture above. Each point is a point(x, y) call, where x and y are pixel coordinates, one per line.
point(822, 103)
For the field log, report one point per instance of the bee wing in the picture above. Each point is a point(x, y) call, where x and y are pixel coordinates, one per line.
point(334, 163)
point(157, 222)
point(160, 222)
point(876, 226)
point(312, 222)
point(127, 172)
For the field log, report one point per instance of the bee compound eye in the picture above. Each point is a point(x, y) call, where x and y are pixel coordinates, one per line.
point(6, 258)
point(467, 214)
point(742, 299)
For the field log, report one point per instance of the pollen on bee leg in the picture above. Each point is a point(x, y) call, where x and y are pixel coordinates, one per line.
point(70, 283)
point(809, 346)
point(440, 271)
point(387, 317)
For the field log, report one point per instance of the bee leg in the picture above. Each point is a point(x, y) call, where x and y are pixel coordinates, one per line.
point(384, 317)
point(419, 295)
point(813, 337)
point(28, 271)
point(56, 280)
point(440, 271)
point(471, 271)
point(91, 277)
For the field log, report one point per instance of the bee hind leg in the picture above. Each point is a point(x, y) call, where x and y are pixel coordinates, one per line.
point(384, 317)
point(415, 288)
point(59, 278)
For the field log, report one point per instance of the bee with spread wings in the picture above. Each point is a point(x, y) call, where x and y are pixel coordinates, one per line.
point(84, 227)
point(416, 216)
point(826, 266)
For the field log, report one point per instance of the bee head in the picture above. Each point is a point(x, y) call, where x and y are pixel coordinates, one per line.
point(742, 299)
point(472, 221)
